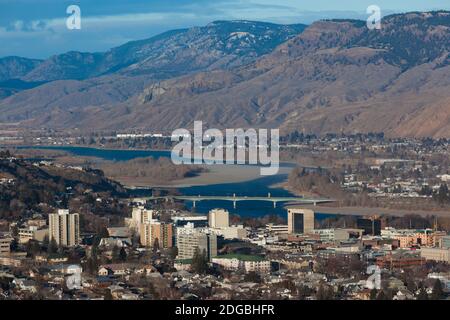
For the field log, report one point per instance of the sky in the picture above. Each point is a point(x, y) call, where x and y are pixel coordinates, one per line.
point(37, 28)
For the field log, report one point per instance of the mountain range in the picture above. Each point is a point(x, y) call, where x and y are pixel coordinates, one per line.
point(331, 76)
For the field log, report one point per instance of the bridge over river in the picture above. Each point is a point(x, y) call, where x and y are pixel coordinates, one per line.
point(235, 199)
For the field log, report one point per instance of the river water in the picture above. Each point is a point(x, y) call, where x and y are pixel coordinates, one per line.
point(260, 187)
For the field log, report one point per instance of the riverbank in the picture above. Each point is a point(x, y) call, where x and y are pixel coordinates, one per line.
point(214, 174)
point(363, 211)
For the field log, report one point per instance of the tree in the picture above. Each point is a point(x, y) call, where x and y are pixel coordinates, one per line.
point(52, 247)
point(115, 253)
point(199, 262)
point(103, 233)
point(438, 292)
point(373, 294)
point(423, 295)
point(33, 248)
point(108, 295)
point(252, 277)
point(123, 255)
point(324, 293)
point(156, 245)
point(45, 241)
point(92, 263)
point(381, 296)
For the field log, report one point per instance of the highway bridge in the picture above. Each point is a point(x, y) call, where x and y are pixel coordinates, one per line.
point(235, 199)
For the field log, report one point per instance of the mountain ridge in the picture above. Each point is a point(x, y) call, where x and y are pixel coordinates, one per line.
point(334, 76)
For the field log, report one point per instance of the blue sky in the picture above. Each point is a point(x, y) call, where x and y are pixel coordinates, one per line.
point(36, 28)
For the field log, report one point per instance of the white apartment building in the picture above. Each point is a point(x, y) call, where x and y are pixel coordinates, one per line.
point(247, 265)
point(277, 229)
point(64, 227)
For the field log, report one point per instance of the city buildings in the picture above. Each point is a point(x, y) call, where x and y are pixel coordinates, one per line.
point(152, 231)
point(64, 228)
point(219, 218)
point(370, 226)
point(436, 254)
point(32, 233)
point(139, 215)
point(277, 229)
point(197, 221)
point(414, 237)
point(247, 263)
point(232, 232)
point(5, 243)
point(190, 238)
point(300, 221)
point(334, 234)
point(445, 242)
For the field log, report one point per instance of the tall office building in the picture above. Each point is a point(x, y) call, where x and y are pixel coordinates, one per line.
point(219, 218)
point(300, 221)
point(370, 226)
point(190, 238)
point(64, 227)
point(150, 231)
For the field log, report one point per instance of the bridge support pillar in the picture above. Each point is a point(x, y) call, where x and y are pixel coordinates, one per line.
point(234, 204)
point(274, 204)
point(193, 203)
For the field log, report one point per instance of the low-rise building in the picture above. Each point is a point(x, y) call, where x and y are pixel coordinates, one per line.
point(232, 232)
point(5, 244)
point(277, 229)
point(32, 233)
point(246, 263)
point(436, 254)
point(331, 235)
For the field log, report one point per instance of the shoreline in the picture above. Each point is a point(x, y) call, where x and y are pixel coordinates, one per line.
point(367, 211)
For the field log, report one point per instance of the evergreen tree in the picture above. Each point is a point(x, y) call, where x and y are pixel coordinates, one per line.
point(381, 295)
point(123, 255)
point(423, 295)
point(438, 292)
point(52, 247)
point(156, 245)
point(115, 254)
point(199, 262)
point(373, 294)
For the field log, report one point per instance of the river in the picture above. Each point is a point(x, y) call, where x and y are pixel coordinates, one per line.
point(256, 187)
